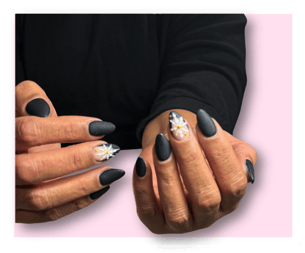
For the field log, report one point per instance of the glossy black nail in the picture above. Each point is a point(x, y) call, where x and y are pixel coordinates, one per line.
point(111, 175)
point(99, 193)
point(206, 123)
point(38, 107)
point(97, 128)
point(140, 167)
point(250, 169)
point(162, 146)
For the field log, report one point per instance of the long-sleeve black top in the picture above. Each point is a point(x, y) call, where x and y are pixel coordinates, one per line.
point(129, 68)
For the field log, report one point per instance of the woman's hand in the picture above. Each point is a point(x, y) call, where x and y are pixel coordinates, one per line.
point(41, 195)
point(190, 177)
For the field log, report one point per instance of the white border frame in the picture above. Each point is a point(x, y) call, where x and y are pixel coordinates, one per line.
point(9, 105)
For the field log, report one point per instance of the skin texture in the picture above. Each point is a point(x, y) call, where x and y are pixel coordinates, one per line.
point(203, 180)
point(41, 195)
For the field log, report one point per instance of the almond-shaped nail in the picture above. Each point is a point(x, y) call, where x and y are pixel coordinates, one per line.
point(98, 128)
point(178, 126)
point(38, 107)
point(105, 152)
point(140, 167)
point(250, 169)
point(111, 175)
point(206, 124)
point(99, 193)
point(163, 148)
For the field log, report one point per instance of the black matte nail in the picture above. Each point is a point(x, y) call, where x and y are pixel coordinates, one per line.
point(250, 169)
point(38, 107)
point(206, 123)
point(99, 193)
point(140, 167)
point(111, 175)
point(97, 128)
point(163, 149)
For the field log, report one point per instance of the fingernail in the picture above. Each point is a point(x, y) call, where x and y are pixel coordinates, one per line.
point(38, 107)
point(163, 148)
point(105, 152)
point(140, 167)
point(97, 128)
point(99, 193)
point(111, 175)
point(250, 169)
point(178, 126)
point(206, 123)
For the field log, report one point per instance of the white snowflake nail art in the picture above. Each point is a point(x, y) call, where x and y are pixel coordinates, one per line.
point(178, 125)
point(106, 151)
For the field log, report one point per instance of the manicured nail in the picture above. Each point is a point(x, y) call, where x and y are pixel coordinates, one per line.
point(105, 152)
point(163, 149)
point(97, 128)
point(140, 167)
point(111, 175)
point(38, 107)
point(178, 126)
point(250, 169)
point(99, 193)
point(206, 123)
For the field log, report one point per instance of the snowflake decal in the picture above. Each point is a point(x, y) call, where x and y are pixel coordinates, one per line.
point(105, 151)
point(178, 125)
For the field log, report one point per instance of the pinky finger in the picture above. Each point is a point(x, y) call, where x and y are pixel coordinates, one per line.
point(55, 213)
point(148, 207)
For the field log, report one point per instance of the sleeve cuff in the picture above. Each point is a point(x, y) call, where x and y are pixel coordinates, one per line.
point(186, 103)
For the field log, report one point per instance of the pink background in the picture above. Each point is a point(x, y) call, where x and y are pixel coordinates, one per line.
point(265, 123)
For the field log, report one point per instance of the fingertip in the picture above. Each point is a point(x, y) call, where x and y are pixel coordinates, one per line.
point(99, 128)
point(141, 168)
point(38, 107)
point(99, 193)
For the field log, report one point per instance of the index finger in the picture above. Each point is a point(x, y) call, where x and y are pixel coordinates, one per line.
point(33, 131)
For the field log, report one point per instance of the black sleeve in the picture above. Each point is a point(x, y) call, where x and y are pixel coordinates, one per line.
point(203, 67)
point(19, 67)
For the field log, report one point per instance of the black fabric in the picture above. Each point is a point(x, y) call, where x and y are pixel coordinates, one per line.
point(129, 68)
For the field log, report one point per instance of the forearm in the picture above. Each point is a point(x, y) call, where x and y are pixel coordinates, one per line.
point(160, 123)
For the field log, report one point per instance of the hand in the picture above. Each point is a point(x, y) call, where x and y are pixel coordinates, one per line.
point(191, 177)
point(41, 195)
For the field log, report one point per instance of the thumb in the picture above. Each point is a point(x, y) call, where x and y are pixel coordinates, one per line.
point(32, 100)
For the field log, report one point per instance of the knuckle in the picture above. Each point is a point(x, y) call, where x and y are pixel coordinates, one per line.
point(36, 199)
point(52, 214)
point(27, 130)
point(24, 168)
point(146, 211)
point(189, 157)
point(209, 201)
point(79, 204)
point(237, 189)
point(178, 220)
point(77, 159)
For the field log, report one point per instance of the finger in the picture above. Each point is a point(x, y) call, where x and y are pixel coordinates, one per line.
point(228, 171)
point(32, 100)
point(55, 213)
point(203, 192)
point(148, 208)
point(64, 190)
point(34, 131)
point(37, 167)
point(172, 197)
point(246, 155)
